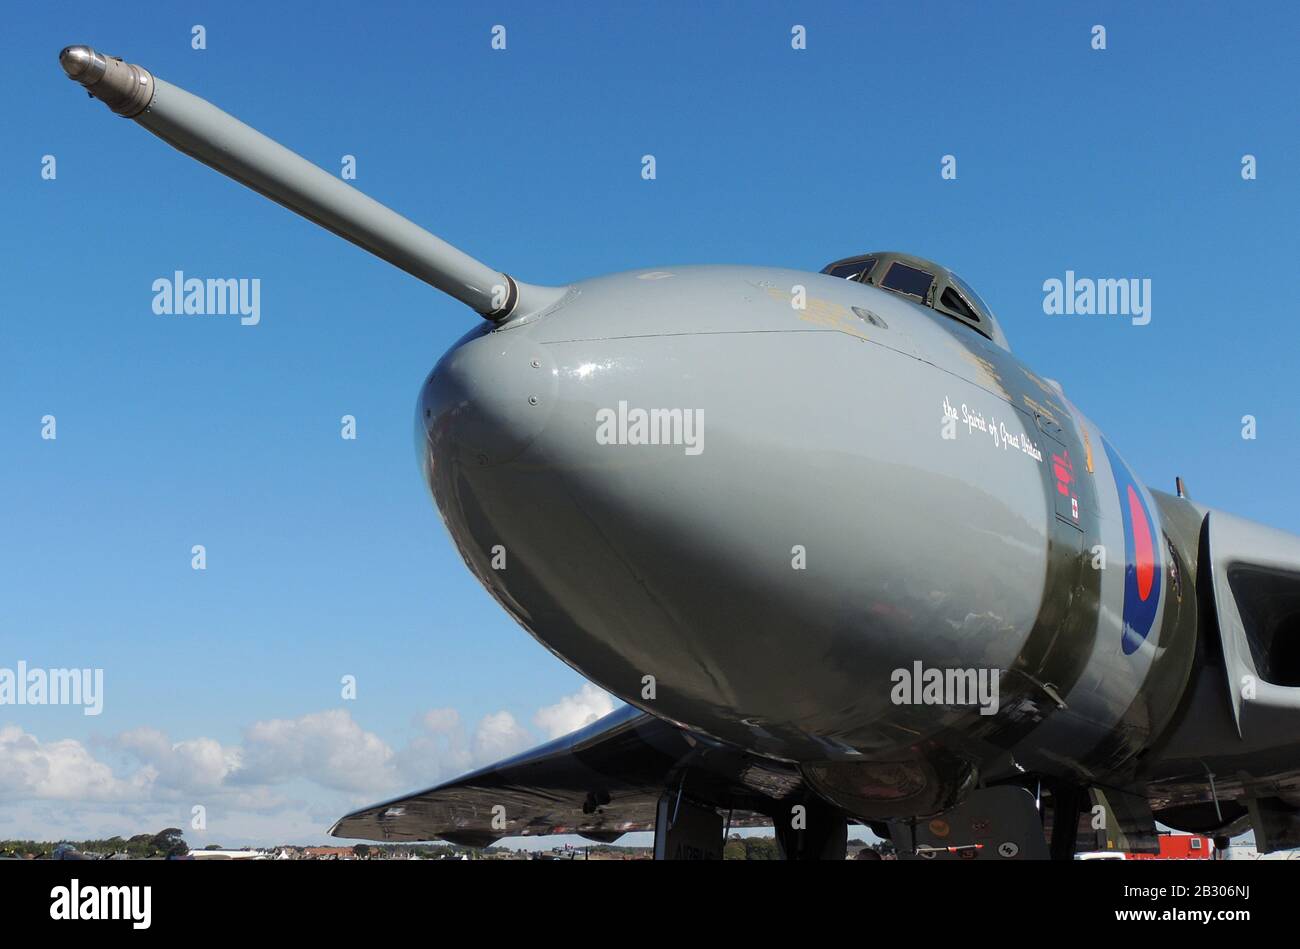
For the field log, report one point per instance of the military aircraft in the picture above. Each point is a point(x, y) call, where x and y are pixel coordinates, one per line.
point(843, 555)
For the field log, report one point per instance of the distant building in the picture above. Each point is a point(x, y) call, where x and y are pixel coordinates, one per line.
point(328, 853)
point(1248, 852)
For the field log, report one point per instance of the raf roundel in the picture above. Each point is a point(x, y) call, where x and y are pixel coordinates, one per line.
point(1142, 559)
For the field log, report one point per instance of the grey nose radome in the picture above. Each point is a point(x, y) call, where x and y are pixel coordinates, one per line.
point(489, 397)
point(711, 565)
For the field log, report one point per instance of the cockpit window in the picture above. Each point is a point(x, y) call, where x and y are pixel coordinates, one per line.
point(970, 294)
point(953, 301)
point(930, 284)
point(853, 269)
point(904, 279)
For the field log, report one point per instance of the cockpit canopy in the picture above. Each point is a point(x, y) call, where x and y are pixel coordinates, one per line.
point(925, 282)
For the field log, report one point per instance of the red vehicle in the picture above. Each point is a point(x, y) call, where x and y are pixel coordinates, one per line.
point(1179, 847)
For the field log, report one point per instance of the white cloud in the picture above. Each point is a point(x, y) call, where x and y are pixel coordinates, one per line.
point(574, 711)
point(444, 748)
point(439, 750)
point(56, 770)
point(328, 748)
point(195, 765)
point(284, 781)
point(498, 736)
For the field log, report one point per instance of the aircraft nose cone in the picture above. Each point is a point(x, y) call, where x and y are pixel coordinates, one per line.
point(671, 522)
point(488, 398)
point(75, 60)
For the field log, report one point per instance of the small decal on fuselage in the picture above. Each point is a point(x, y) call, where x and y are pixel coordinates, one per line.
point(997, 433)
point(1063, 470)
point(1143, 567)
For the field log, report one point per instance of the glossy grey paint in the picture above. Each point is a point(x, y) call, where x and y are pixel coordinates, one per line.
point(822, 429)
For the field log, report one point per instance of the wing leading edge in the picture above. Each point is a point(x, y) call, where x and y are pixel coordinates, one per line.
point(601, 781)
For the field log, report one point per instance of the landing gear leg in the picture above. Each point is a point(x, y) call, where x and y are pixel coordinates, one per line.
point(811, 830)
point(1067, 802)
point(685, 830)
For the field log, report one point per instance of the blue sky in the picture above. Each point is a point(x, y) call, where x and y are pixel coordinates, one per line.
point(325, 557)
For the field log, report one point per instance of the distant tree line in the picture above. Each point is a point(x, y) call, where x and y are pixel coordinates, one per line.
point(765, 848)
point(750, 848)
point(165, 843)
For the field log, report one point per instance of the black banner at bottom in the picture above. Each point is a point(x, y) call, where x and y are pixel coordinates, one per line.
point(187, 898)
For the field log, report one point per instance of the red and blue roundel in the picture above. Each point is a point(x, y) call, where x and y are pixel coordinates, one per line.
point(1142, 560)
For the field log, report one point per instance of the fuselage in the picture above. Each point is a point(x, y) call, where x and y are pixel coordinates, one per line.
point(745, 507)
